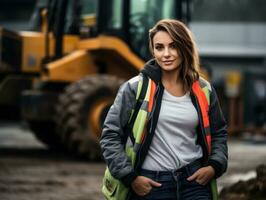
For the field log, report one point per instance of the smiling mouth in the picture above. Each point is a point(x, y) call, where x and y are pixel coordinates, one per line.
point(168, 62)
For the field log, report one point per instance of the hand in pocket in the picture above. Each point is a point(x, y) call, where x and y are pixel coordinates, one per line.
point(203, 175)
point(143, 185)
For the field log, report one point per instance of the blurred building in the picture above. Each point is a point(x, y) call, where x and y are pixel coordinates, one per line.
point(231, 34)
point(231, 37)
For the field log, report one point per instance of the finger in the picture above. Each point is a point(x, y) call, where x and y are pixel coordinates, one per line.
point(154, 183)
point(193, 176)
point(207, 180)
point(201, 177)
point(144, 191)
point(200, 181)
point(141, 194)
point(203, 180)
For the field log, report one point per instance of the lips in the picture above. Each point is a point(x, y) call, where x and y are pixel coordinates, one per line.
point(168, 62)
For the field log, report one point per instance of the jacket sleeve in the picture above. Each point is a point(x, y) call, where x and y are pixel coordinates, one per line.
point(218, 127)
point(113, 147)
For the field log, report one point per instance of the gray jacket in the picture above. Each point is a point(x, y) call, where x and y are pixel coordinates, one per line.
point(114, 134)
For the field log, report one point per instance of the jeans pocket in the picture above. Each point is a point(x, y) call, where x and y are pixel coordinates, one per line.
point(196, 183)
point(193, 190)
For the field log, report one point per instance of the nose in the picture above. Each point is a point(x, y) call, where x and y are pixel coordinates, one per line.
point(166, 52)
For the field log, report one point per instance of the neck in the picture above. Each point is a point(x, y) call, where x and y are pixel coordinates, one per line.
point(171, 77)
point(173, 83)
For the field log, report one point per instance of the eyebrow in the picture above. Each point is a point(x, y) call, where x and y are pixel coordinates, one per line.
point(162, 43)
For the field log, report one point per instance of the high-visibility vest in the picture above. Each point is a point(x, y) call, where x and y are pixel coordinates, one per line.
point(202, 93)
point(114, 189)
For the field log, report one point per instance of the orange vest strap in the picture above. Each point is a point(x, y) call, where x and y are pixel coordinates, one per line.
point(152, 93)
point(204, 108)
point(203, 103)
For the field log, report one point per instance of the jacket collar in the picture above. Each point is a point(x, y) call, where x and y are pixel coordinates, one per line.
point(152, 70)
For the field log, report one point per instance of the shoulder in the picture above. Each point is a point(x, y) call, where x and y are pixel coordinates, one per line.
point(134, 80)
point(204, 84)
point(129, 87)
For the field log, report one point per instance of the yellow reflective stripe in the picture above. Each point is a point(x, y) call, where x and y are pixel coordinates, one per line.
point(112, 188)
point(140, 121)
point(140, 83)
point(207, 93)
point(131, 114)
point(131, 154)
point(139, 125)
point(147, 95)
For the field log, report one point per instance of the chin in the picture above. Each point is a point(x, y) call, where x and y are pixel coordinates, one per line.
point(169, 68)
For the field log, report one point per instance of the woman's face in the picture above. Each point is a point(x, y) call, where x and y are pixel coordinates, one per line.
point(166, 52)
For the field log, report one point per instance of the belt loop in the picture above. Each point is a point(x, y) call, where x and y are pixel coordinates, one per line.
point(188, 170)
point(175, 174)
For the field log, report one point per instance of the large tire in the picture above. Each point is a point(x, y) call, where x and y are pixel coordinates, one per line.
point(81, 111)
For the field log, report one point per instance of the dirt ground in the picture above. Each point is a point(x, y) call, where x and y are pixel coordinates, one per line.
point(29, 171)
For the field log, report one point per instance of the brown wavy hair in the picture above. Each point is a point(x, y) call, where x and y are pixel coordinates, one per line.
point(183, 38)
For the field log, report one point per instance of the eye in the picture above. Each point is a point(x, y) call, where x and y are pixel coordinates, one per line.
point(173, 46)
point(158, 47)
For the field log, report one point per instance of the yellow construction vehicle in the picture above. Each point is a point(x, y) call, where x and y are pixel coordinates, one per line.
point(67, 71)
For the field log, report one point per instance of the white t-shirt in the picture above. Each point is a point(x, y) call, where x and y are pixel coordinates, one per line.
point(174, 143)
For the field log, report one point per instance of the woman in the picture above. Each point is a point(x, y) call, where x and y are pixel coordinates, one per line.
point(183, 143)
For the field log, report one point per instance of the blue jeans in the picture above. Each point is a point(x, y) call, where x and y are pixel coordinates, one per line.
point(175, 186)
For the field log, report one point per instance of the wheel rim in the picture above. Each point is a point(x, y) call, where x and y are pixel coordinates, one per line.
point(97, 115)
